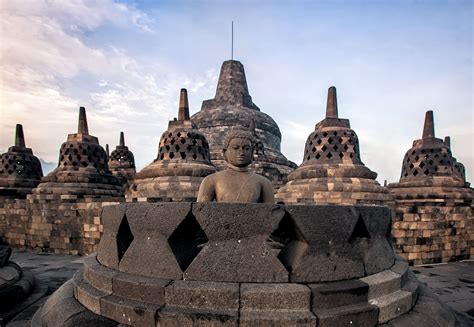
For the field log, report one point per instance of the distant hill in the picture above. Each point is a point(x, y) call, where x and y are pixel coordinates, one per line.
point(47, 166)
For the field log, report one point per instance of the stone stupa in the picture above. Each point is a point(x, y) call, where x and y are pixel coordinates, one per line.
point(182, 163)
point(434, 215)
point(20, 170)
point(232, 106)
point(122, 162)
point(82, 169)
point(332, 170)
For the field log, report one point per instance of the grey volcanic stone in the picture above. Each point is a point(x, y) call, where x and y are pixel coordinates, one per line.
point(107, 253)
point(150, 253)
point(363, 315)
point(337, 294)
point(237, 250)
point(266, 296)
point(5, 252)
point(328, 255)
point(62, 309)
point(87, 295)
point(128, 312)
point(140, 288)
point(201, 304)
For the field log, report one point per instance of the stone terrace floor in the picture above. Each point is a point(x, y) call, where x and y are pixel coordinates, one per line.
point(453, 282)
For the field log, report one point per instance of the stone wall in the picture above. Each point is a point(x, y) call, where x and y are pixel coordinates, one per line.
point(60, 226)
point(433, 232)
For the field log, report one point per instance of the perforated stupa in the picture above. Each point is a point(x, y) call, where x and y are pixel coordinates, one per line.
point(434, 211)
point(122, 162)
point(82, 168)
point(183, 161)
point(332, 170)
point(20, 170)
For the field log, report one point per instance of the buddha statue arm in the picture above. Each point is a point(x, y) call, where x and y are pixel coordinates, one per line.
point(267, 195)
point(207, 190)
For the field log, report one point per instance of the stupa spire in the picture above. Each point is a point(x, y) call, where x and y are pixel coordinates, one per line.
point(122, 139)
point(82, 126)
point(107, 151)
point(183, 113)
point(331, 106)
point(447, 141)
point(428, 128)
point(19, 136)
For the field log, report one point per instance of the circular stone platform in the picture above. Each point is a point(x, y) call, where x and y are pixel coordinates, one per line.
point(175, 264)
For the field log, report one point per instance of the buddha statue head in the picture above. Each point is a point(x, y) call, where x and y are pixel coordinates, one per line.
point(238, 147)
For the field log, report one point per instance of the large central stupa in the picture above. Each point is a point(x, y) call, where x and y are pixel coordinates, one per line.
point(233, 106)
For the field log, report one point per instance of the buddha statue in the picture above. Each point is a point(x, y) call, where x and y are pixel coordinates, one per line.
point(236, 183)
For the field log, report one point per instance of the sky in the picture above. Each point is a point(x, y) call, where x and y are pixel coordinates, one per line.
point(125, 61)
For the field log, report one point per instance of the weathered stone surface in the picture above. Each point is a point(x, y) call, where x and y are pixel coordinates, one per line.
point(268, 296)
point(62, 309)
point(382, 283)
point(363, 315)
point(150, 253)
point(328, 255)
point(277, 318)
point(337, 294)
point(107, 253)
point(237, 250)
point(203, 295)
point(176, 316)
point(140, 288)
point(122, 162)
point(86, 294)
point(128, 312)
point(392, 305)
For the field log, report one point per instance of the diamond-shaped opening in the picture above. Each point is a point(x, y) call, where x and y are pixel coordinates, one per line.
point(360, 231)
point(289, 239)
point(319, 141)
point(313, 149)
point(124, 238)
point(426, 172)
point(330, 140)
point(324, 148)
point(415, 172)
point(341, 155)
point(422, 164)
point(329, 155)
point(360, 238)
point(187, 241)
point(318, 156)
point(335, 147)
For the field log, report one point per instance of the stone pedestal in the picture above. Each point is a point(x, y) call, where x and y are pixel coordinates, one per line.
point(201, 264)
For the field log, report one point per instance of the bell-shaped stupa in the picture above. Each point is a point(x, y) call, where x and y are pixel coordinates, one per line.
point(183, 161)
point(233, 106)
point(82, 169)
point(332, 170)
point(122, 162)
point(20, 170)
point(433, 202)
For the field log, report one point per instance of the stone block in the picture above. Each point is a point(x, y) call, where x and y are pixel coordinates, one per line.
point(107, 253)
point(265, 296)
point(87, 295)
point(140, 288)
point(392, 305)
point(277, 318)
point(203, 295)
point(150, 253)
point(237, 249)
point(337, 294)
point(128, 312)
point(361, 315)
point(179, 316)
point(382, 283)
point(321, 250)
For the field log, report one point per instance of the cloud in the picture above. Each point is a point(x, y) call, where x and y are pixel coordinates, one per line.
point(51, 65)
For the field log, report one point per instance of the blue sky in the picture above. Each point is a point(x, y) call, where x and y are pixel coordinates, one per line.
point(125, 61)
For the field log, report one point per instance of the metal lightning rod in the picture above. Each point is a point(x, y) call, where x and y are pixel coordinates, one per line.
point(232, 44)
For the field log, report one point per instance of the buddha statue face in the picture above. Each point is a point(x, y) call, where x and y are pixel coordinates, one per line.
point(239, 152)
